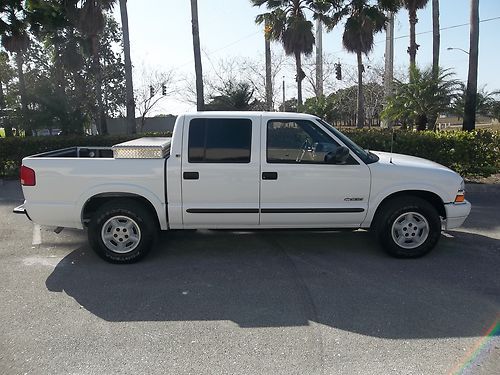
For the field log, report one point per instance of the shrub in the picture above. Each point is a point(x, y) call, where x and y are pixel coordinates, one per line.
point(14, 149)
point(472, 154)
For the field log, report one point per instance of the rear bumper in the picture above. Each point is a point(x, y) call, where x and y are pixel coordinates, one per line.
point(456, 213)
point(21, 210)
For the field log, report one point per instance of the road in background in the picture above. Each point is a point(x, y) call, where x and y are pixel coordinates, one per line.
point(270, 302)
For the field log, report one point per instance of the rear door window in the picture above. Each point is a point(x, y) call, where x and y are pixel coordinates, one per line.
point(213, 140)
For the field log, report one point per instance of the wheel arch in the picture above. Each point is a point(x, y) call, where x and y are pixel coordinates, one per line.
point(431, 197)
point(93, 203)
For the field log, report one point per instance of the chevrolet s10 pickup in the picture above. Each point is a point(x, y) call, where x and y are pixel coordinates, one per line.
point(241, 170)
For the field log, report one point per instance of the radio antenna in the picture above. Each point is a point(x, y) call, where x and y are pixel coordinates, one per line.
point(392, 144)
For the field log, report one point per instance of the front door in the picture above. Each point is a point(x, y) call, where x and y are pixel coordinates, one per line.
point(298, 188)
point(220, 172)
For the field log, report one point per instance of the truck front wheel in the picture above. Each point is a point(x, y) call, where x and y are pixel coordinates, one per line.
point(122, 231)
point(408, 227)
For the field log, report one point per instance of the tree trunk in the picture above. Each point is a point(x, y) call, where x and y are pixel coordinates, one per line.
point(436, 44)
point(22, 92)
point(7, 126)
point(421, 122)
point(101, 114)
point(471, 94)
point(389, 65)
point(299, 77)
point(436, 37)
point(269, 78)
point(360, 121)
point(412, 50)
point(319, 58)
point(129, 85)
point(200, 97)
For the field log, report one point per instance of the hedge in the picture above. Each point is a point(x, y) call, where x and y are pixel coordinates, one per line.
point(472, 154)
point(14, 149)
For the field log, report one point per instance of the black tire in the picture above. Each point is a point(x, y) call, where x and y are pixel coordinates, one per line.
point(408, 215)
point(130, 230)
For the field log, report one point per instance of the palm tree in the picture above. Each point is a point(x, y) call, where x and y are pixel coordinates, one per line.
point(269, 73)
point(423, 95)
point(412, 6)
point(92, 21)
point(16, 40)
point(471, 96)
point(363, 22)
point(200, 96)
point(288, 24)
point(131, 127)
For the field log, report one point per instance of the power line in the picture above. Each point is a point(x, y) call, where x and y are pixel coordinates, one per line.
point(446, 28)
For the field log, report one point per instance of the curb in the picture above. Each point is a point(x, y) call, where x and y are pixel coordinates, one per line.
point(482, 188)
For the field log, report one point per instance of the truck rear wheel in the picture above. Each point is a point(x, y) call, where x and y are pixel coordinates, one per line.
point(408, 227)
point(122, 231)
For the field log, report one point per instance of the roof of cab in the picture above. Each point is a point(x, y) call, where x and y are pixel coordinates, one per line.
point(277, 115)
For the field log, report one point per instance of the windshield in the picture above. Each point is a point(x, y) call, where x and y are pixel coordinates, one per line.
point(364, 155)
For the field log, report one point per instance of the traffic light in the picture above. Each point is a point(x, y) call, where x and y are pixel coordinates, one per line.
point(338, 71)
point(164, 89)
point(151, 91)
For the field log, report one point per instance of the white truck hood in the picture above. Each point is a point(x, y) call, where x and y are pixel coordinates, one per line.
point(408, 161)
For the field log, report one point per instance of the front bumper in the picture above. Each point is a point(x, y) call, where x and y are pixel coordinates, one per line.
point(456, 213)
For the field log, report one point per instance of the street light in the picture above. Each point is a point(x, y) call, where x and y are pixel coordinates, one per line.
point(459, 49)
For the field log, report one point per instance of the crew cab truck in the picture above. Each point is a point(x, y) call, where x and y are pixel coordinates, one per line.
point(241, 170)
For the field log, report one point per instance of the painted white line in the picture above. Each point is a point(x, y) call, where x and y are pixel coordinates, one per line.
point(37, 235)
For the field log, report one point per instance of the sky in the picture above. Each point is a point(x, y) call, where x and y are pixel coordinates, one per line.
point(161, 39)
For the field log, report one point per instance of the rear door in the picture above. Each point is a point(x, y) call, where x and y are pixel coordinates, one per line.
point(220, 171)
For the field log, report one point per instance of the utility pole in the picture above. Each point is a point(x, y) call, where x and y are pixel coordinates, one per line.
point(471, 93)
point(319, 58)
point(389, 64)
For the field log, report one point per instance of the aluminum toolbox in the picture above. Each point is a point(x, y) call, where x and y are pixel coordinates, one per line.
point(143, 148)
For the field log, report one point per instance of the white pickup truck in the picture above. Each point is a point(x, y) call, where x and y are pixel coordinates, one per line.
point(235, 170)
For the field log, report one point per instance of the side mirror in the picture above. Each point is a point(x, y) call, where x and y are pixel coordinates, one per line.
point(339, 156)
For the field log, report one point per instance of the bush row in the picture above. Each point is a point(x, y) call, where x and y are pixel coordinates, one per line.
point(13, 150)
point(471, 154)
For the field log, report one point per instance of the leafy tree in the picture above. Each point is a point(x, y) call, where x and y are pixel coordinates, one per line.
point(91, 24)
point(321, 106)
point(15, 39)
point(6, 81)
point(286, 22)
point(413, 6)
point(363, 22)
point(424, 94)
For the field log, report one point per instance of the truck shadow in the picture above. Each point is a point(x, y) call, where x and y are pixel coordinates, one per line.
point(282, 278)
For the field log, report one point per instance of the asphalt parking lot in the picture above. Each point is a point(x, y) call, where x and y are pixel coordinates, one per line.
point(272, 302)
